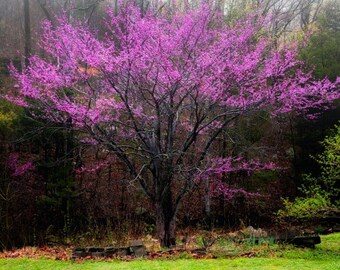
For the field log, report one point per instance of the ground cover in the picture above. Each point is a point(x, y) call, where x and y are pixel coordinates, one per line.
point(324, 256)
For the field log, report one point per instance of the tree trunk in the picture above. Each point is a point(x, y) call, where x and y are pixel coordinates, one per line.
point(27, 26)
point(166, 219)
point(208, 222)
point(166, 227)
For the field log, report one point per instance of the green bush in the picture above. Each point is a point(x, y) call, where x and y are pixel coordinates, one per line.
point(320, 192)
point(330, 164)
point(304, 208)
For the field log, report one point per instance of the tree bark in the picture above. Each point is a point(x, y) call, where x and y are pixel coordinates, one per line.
point(166, 219)
point(166, 226)
point(27, 26)
point(208, 220)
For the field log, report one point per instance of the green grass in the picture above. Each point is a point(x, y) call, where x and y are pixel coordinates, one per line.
point(324, 256)
point(189, 264)
point(328, 250)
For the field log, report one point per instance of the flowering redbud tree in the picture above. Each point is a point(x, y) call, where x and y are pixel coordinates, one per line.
point(158, 90)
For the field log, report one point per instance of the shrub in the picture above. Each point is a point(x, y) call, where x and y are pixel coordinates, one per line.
point(304, 208)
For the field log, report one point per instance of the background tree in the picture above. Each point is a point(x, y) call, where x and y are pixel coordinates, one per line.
point(323, 50)
point(322, 53)
point(27, 25)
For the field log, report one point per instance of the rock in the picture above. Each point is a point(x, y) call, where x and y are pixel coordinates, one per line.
point(95, 249)
point(98, 254)
point(123, 251)
point(138, 251)
point(137, 248)
point(136, 243)
point(110, 251)
point(95, 252)
point(306, 241)
point(79, 253)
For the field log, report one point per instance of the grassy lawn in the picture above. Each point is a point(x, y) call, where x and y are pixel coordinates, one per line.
point(324, 256)
point(187, 264)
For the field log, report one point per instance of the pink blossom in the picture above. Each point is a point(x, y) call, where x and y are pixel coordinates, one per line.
point(19, 169)
point(158, 90)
